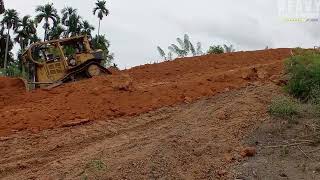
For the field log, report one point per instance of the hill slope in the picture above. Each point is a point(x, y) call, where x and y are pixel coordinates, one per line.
point(135, 91)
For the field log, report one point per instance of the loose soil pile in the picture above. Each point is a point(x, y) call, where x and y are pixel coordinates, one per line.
point(199, 140)
point(9, 89)
point(135, 91)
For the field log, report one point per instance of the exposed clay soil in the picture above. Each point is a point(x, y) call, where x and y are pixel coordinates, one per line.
point(190, 141)
point(135, 91)
point(184, 119)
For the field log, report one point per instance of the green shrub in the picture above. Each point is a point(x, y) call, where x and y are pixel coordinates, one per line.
point(283, 107)
point(215, 50)
point(303, 75)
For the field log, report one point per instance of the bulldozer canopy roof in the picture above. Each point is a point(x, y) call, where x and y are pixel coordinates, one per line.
point(64, 41)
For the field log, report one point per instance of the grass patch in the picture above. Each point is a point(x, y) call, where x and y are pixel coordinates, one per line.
point(303, 72)
point(283, 107)
point(94, 170)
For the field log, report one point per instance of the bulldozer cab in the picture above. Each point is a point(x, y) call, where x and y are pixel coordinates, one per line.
point(62, 60)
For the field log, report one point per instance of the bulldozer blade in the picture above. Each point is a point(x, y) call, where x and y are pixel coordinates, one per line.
point(54, 85)
point(25, 82)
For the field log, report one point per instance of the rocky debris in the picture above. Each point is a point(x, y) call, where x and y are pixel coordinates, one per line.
point(122, 82)
point(248, 152)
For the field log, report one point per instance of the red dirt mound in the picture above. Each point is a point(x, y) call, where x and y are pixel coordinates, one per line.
point(9, 89)
point(139, 90)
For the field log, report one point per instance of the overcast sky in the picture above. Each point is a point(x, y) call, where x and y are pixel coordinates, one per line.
point(136, 28)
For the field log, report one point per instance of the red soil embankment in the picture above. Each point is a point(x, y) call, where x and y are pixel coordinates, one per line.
point(137, 90)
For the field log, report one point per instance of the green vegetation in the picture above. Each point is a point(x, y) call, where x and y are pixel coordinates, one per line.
point(100, 42)
point(67, 24)
point(10, 22)
point(304, 76)
point(215, 50)
point(228, 49)
point(45, 13)
point(218, 49)
point(183, 49)
point(283, 107)
point(186, 48)
point(94, 169)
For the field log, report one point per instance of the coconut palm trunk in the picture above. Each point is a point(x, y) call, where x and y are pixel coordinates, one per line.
point(99, 31)
point(6, 53)
point(99, 27)
point(46, 30)
point(45, 34)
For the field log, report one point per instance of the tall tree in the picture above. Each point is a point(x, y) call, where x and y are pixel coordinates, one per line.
point(2, 9)
point(86, 28)
point(70, 19)
point(3, 42)
point(104, 45)
point(102, 11)
point(25, 30)
point(74, 25)
point(45, 13)
point(34, 38)
point(10, 21)
point(66, 13)
point(56, 32)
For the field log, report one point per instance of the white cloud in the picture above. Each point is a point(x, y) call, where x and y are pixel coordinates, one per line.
point(135, 28)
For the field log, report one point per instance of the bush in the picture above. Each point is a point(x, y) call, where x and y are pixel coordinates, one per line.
point(215, 50)
point(304, 75)
point(283, 107)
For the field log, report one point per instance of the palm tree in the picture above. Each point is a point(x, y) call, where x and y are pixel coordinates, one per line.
point(25, 30)
point(184, 48)
point(228, 49)
point(3, 42)
point(199, 49)
point(56, 32)
point(10, 21)
point(2, 9)
point(34, 38)
point(101, 42)
point(46, 13)
point(162, 53)
point(74, 25)
point(196, 51)
point(69, 16)
point(86, 28)
point(66, 13)
point(102, 11)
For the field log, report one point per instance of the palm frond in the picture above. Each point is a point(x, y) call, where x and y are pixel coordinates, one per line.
point(192, 49)
point(199, 49)
point(161, 52)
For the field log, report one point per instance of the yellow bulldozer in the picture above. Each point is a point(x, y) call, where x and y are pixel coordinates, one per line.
point(51, 63)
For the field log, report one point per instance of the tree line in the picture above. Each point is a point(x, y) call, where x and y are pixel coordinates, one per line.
point(186, 48)
point(67, 23)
